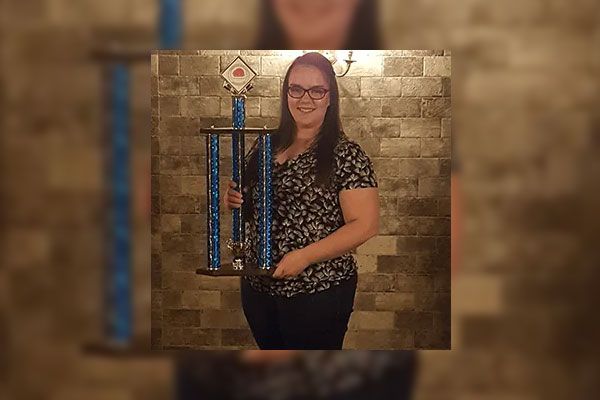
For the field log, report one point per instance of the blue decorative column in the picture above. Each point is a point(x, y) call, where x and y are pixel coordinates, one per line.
point(265, 161)
point(212, 187)
point(238, 108)
point(119, 290)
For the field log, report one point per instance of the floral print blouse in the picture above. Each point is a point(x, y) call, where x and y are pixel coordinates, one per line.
point(304, 212)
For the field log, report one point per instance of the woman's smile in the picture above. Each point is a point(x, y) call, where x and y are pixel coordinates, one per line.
point(306, 110)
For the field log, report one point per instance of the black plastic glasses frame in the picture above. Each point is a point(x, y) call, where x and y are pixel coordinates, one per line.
point(325, 91)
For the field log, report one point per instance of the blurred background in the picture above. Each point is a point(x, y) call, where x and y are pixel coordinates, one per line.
point(525, 128)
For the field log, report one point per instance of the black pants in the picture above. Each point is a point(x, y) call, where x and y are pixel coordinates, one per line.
point(315, 321)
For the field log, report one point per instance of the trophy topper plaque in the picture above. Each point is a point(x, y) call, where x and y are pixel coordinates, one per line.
point(238, 76)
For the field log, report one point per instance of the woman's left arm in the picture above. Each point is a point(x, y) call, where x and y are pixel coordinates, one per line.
point(360, 208)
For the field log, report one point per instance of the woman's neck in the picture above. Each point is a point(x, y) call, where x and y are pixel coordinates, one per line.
point(305, 136)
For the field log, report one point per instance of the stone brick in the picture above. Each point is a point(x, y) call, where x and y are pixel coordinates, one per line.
point(170, 145)
point(432, 339)
point(193, 145)
point(394, 264)
point(434, 187)
point(433, 226)
point(418, 167)
point(349, 86)
point(418, 207)
point(183, 318)
point(223, 319)
point(170, 184)
point(168, 65)
point(199, 65)
point(446, 127)
point(371, 320)
point(275, 65)
point(401, 187)
point(200, 299)
point(175, 165)
point(360, 107)
point(388, 205)
point(437, 107)
point(413, 283)
point(376, 283)
point(395, 302)
point(180, 243)
point(380, 340)
point(414, 320)
point(444, 207)
point(270, 107)
point(357, 127)
point(380, 87)
point(213, 86)
point(193, 223)
point(441, 280)
point(170, 223)
point(434, 147)
point(180, 204)
point(420, 127)
point(400, 147)
point(366, 263)
point(223, 283)
point(178, 126)
point(437, 66)
point(397, 226)
point(403, 66)
point(168, 106)
point(410, 244)
point(231, 300)
point(385, 167)
point(200, 106)
point(421, 87)
point(192, 185)
point(432, 301)
point(446, 87)
point(265, 86)
point(378, 245)
point(238, 337)
point(386, 127)
point(178, 85)
point(401, 107)
point(364, 301)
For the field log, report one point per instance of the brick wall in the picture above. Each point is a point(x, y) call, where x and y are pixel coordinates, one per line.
point(396, 104)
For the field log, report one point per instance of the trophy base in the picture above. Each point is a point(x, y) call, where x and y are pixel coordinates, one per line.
point(232, 270)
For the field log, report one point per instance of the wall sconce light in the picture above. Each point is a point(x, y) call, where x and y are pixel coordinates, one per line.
point(332, 57)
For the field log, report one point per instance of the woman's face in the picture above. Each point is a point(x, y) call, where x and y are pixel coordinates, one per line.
point(306, 106)
point(315, 24)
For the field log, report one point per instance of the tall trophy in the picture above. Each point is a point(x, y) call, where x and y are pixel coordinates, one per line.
point(237, 79)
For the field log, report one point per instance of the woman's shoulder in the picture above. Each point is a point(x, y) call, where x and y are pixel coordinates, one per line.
point(347, 148)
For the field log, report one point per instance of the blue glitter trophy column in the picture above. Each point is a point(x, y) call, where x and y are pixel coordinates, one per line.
point(237, 80)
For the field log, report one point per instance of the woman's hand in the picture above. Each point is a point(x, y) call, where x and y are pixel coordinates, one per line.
point(233, 198)
point(292, 264)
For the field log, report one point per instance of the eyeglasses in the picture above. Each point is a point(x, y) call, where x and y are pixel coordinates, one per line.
point(315, 93)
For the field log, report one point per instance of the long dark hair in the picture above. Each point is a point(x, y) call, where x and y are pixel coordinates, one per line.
point(328, 135)
point(363, 34)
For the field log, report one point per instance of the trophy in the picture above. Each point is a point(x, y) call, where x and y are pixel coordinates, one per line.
point(238, 76)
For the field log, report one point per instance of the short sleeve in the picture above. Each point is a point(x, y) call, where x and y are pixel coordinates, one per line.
point(354, 169)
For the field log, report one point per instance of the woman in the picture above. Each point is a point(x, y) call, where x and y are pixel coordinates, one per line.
point(325, 204)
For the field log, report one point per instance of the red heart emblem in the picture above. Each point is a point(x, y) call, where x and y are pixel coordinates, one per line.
point(238, 72)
